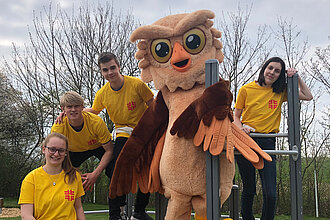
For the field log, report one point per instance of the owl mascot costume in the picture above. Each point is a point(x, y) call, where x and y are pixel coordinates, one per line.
point(166, 151)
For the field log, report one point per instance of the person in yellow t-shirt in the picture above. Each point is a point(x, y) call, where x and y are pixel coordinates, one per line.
point(259, 103)
point(88, 136)
point(125, 98)
point(54, 190)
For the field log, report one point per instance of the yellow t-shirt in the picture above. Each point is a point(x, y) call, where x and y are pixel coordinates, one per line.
point(261, 107)
point(93, 134)
point(50, 202)
point(125, 106)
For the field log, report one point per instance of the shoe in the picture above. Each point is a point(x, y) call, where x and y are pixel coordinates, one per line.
point(141, 216)
point(115, 217)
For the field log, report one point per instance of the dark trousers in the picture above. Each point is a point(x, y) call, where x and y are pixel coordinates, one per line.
point(268, 182)
point(142, 199)
point(77, 158)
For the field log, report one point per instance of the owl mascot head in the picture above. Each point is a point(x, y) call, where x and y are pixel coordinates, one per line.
point(174, 49)
point(166, 151)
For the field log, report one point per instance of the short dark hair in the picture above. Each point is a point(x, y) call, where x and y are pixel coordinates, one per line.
point(280, 84)
point(106, 57)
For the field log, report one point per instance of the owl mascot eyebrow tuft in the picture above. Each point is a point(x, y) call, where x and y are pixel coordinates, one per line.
point(166, 152)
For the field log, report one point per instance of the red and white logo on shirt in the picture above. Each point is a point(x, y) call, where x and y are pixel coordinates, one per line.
point(131, 106)
point(91, 142)
point(69, 195)
point(272, 104)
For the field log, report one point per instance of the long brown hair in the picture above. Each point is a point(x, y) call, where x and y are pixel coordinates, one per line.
point(69, 170)
point(280, 84)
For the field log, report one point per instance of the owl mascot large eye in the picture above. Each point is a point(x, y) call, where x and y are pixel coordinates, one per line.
point(166, 150)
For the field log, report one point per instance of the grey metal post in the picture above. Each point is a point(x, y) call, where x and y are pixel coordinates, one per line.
point(160, 205)
point(294, 140)
point(129, 205)
point(233, 203)
point(212, 162)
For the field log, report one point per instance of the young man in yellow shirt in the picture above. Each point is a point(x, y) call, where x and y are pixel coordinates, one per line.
point(87, 134)
point(125, 98)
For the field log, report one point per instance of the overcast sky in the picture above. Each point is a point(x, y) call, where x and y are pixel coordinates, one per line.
point(311, 16)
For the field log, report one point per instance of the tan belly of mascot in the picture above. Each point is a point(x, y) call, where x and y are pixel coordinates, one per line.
point(183, 167)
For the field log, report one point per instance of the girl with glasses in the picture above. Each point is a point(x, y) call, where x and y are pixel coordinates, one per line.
point(54, 190)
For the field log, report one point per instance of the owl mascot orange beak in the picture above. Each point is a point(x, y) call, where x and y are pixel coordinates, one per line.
point(166, 152)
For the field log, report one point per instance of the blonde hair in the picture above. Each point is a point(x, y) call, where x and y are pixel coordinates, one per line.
point(69, 170)
point(71, 98)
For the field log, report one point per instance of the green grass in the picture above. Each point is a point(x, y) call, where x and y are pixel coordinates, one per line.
point(16, 218)
point(282, 217)
point(106, 217)
point(12, 203)
point(92, 206)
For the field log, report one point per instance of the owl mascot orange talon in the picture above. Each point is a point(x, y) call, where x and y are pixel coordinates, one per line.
point(165, 152)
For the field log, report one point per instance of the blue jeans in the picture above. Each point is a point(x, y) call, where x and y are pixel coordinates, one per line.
point(268, 182)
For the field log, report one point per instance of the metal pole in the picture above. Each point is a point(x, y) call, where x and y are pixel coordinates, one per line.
point(269, 135)
point(212, 162)
point(129, 204)
point(161, 205)
point(94, 193)
point(316, 199)
point(233, 203)
point(282, 152)
point(294, 140)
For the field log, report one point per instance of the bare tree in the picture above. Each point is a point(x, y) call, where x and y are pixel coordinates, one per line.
point(314, 135)
point(64, 49)
point(294, 52)
point(62, 55)
point(18, 136)
point(242, 56)
point(319, 67)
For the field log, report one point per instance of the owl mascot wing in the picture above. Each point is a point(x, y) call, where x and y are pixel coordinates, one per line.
point(207, 119)
point(140, 153)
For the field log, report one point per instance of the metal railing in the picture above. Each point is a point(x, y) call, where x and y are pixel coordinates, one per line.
point(212, 162)
point(213, 209)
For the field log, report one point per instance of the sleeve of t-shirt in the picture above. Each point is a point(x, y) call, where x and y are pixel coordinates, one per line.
point(241, 97)
point(57, 128)
point(285, 98)
point(145, 92)
point(81, 191)
point(103, 133)
point(97, 103)
point(27, 190)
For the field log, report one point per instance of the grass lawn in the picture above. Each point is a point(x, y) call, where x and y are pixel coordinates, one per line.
point(12, 203)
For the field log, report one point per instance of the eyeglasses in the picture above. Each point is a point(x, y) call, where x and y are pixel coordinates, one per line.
point(53, 150)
